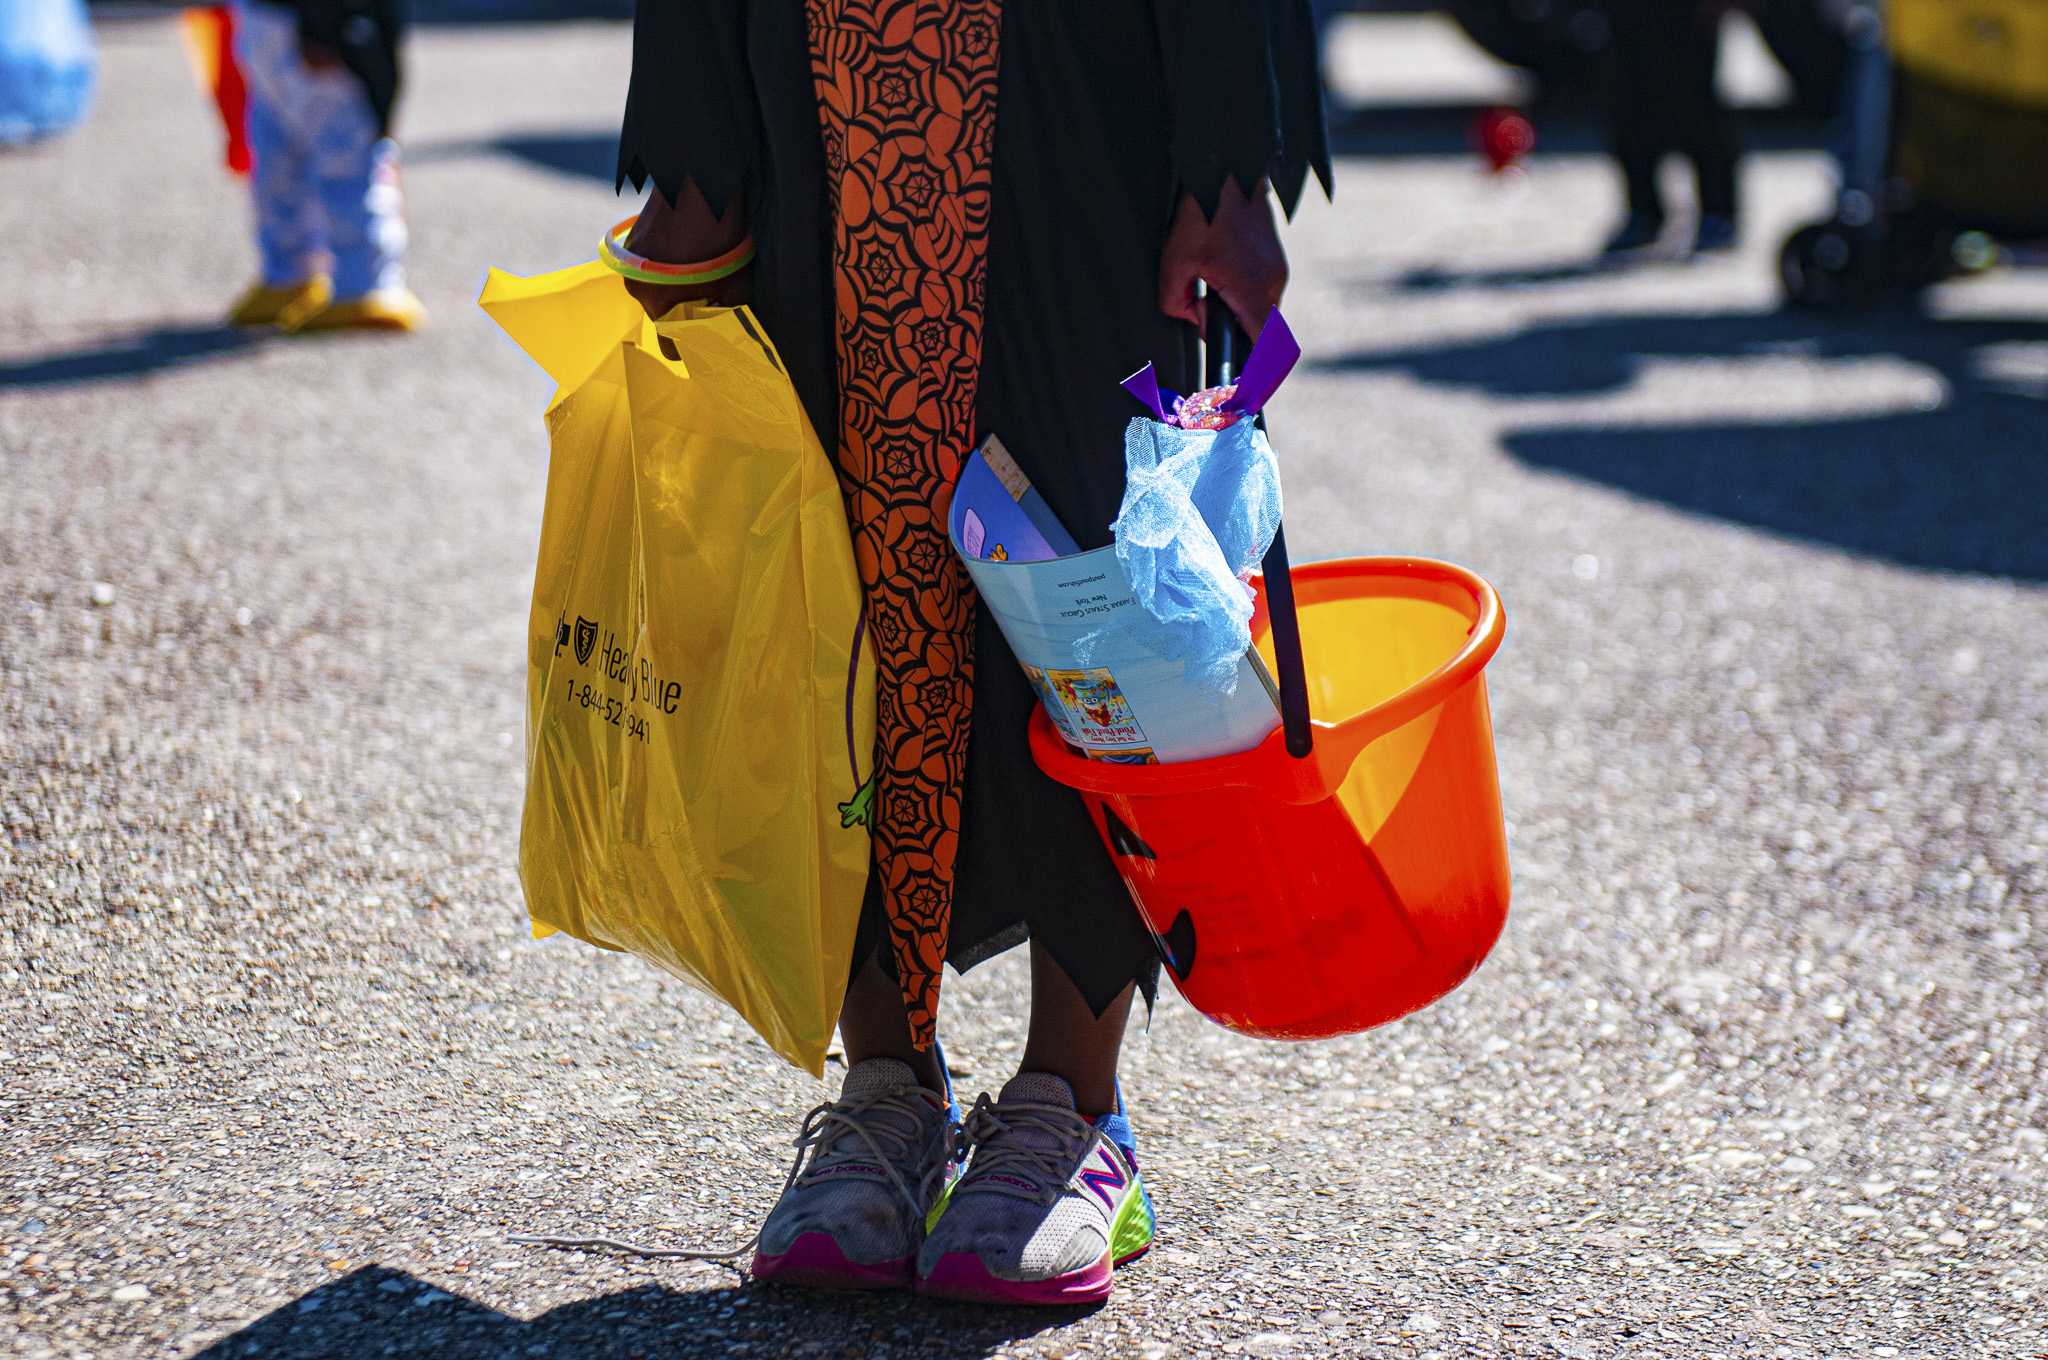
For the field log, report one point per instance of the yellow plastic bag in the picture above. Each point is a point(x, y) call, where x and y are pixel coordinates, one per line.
point(699, 702)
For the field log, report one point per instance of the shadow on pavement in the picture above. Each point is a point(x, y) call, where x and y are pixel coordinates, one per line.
point(584, 155)
point(130, 355)
point(593, 155)
point(1956, 488)
point(1437, 279)
point(378, 1312)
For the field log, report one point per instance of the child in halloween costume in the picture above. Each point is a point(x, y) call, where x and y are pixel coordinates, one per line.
point(972, 217)
point(322, 77)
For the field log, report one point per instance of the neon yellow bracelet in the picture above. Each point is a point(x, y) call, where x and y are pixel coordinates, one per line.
point(630, 265)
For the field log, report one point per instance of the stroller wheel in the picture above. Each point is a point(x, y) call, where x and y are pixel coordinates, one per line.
point(1825, 266)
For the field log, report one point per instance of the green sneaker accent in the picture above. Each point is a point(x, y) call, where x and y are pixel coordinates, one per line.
point(1132, 1232)
point(931, 1218)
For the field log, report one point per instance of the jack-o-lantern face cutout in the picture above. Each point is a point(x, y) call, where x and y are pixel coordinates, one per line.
point(1177, 947)
point(1123, 842)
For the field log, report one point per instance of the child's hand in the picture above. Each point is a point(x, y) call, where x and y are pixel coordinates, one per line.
point(683, 233)
point(1238, 255)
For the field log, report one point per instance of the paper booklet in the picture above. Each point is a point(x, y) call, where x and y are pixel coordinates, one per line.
point(1072, 620)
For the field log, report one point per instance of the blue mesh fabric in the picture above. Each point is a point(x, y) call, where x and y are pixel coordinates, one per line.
point(1200, 509)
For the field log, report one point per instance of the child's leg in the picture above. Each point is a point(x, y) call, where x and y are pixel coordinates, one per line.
point(288, 244)
point(280, 183)
point(1066, 1038)
point(854, 1218)
point(873, 1024)
point(1069, 1040)
point(1707, 128)
point(357, 172)
point(321, 155)
point(1637, 124)
point(1051, 1201)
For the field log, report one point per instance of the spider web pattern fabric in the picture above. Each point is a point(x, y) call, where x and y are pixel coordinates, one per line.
point(907, 100)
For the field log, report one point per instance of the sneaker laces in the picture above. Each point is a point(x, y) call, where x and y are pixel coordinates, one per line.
point(817, 1152)
point(1038, 1143)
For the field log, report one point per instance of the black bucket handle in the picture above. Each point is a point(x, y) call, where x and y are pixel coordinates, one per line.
point(1224, 349)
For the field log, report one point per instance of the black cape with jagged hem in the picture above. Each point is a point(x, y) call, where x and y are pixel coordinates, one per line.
point(1107, 111)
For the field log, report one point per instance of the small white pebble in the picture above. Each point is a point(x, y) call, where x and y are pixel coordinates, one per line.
point(102, 593)
point(1586, 567)
point(131, 1293)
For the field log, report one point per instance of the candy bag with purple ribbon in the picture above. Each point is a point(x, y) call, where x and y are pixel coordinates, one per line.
point(1201, 505)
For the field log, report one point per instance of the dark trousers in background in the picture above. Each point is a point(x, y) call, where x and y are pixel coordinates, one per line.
point(1661, 99)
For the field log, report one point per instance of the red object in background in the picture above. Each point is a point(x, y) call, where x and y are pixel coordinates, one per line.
point(210, 43)
point(1504, 137)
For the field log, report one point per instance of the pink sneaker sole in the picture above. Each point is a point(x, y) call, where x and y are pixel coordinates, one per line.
point(814, 1261)
point(962, 1276)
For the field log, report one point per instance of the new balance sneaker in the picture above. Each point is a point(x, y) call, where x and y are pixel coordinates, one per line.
point(872, 1167)
point(1049, 1206)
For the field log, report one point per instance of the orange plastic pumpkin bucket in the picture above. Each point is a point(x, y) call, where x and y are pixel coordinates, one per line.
point(1299, 898)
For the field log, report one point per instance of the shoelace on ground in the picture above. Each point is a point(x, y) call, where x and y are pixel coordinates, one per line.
point(822, 1129)
point(993, 1133)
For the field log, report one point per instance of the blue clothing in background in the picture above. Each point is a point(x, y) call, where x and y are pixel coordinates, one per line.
point(47, 68)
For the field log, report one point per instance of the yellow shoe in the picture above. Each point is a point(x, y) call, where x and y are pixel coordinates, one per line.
point(392, 310)
point(263, 305)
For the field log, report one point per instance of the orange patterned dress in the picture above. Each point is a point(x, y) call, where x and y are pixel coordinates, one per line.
point(907, 100)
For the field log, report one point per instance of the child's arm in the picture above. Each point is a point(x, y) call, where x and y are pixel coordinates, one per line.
point(691, 135)
point(1237, 254)
point(1244, 97)
point(682, 232)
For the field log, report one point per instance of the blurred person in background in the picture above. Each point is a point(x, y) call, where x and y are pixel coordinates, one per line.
point(48, 68)
point(322, 77)
point(1662, 97)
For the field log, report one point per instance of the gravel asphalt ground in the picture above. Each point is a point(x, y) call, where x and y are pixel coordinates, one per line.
point(1758, 1069)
